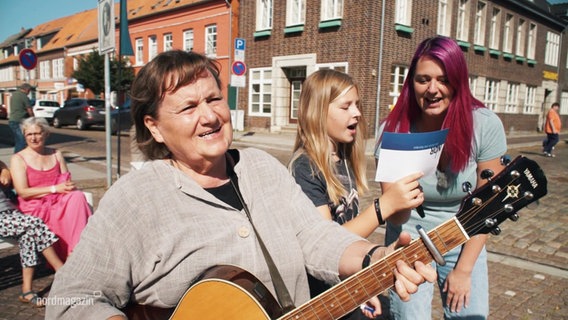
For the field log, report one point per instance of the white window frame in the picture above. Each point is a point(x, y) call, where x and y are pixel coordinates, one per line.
point(261, 77)
point(295, 12)
point(444, 18)
point(512, 97)
point(264, 15)
point(552, 49)
point(530, 100)
point(331, 9)
point(491, 96)
point(211, 40)
point(563, 103)
point(403, 12)
point(168, 42)
point(531, 41)
point(58, 68)
point(521, 37)
point(495, 29)
point(44, 69)
point(397, 77)
point(462, 28)
point(152, 47)
point(480, 23)
point(508, 33)
point(188, 38)
point(473, 84)
point(139, 51)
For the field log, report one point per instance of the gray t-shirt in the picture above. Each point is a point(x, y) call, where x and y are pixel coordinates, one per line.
point(442, 203)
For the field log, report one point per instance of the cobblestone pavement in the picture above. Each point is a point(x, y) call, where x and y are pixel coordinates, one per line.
point(528, 271)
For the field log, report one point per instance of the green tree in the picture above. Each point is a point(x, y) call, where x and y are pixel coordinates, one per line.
point(91, 73)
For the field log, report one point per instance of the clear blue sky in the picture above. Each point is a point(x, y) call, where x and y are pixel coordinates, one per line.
point(15, 14)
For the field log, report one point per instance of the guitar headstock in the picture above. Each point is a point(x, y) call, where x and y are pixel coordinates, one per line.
point(520, 183)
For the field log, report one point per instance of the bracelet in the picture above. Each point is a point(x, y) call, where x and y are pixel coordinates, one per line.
point(53, 190)
point(367, 258)
point(378, 212)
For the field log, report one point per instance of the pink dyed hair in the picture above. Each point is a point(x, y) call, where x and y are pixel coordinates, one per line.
point(459, 117)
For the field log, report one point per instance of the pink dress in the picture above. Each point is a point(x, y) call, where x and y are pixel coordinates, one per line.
point(66, 214)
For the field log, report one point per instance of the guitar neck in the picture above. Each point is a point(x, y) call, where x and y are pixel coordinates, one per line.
point(369, 282)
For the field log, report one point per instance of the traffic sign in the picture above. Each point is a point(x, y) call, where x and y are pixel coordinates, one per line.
point(240, 44)
point(28, 59)
point(239, 68)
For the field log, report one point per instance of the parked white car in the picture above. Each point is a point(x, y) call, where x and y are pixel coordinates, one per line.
point(45, 109)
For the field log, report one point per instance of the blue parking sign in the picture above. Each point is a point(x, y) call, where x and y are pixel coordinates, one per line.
point(240, 44)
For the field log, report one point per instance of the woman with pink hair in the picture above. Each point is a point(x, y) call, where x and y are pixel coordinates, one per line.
point(436, 96)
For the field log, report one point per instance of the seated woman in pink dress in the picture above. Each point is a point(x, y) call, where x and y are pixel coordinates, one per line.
point(45, 190)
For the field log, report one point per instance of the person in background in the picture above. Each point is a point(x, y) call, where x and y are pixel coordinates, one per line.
point(436, 95)
point(193, 205)
point(45, 189)
point(20, 108)
point(329, 162)
point(552, 129)
point(33, 236)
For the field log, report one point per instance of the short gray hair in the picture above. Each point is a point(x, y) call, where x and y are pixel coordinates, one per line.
point(33, 121)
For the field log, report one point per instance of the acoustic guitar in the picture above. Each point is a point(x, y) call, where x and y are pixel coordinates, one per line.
point(229, 292)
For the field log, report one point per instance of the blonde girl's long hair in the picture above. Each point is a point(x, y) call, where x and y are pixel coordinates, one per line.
point(319, 90)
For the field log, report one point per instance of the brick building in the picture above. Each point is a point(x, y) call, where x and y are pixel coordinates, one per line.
point(514, 51)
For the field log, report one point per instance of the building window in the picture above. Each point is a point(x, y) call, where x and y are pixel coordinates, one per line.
point(75, 64)
point(139, 51)
point(530, 95)
point(531, 41)
point(295, 12)
point(44, 70)
point(331, 9)
point(563, 103)
point(473, 84)
point(480, 18)
point(57, 68)
point(444, 18)
point(403, 12)
point(491, 94)
point(508, 34)
point(398, 75)
point(512, 98)
point(521, 38)
point(152, 47)
point(552, 49)
point(211, 40)
point(494, 32)
point(260, 92)
point(188, 40)
point(463, 20)
point(168, 42)
point(263, 15)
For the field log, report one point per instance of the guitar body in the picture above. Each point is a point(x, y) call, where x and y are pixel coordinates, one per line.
point(227, 292)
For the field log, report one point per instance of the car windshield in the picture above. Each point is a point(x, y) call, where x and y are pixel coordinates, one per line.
point(96, 103)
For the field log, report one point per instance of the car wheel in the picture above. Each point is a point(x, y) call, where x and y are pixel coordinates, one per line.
point(56, 122)
point(80, 124)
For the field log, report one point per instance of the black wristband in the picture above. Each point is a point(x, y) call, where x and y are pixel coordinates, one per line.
point(378, 212)
point(367, 258)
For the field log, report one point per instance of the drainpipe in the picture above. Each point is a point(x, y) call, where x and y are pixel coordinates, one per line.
point(379, 71)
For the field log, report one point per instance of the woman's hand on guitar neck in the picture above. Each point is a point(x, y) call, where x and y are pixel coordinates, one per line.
point(407, 278)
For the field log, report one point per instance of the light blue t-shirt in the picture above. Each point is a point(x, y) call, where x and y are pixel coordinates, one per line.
point(442, 202)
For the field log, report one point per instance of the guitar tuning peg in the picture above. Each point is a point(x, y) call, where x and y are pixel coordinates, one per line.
point(514, 217)
point(496, 231)
point(505, 159)
point(466, 187)
point(487, 174)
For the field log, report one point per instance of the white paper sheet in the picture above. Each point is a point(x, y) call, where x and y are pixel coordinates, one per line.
point(404, 153)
